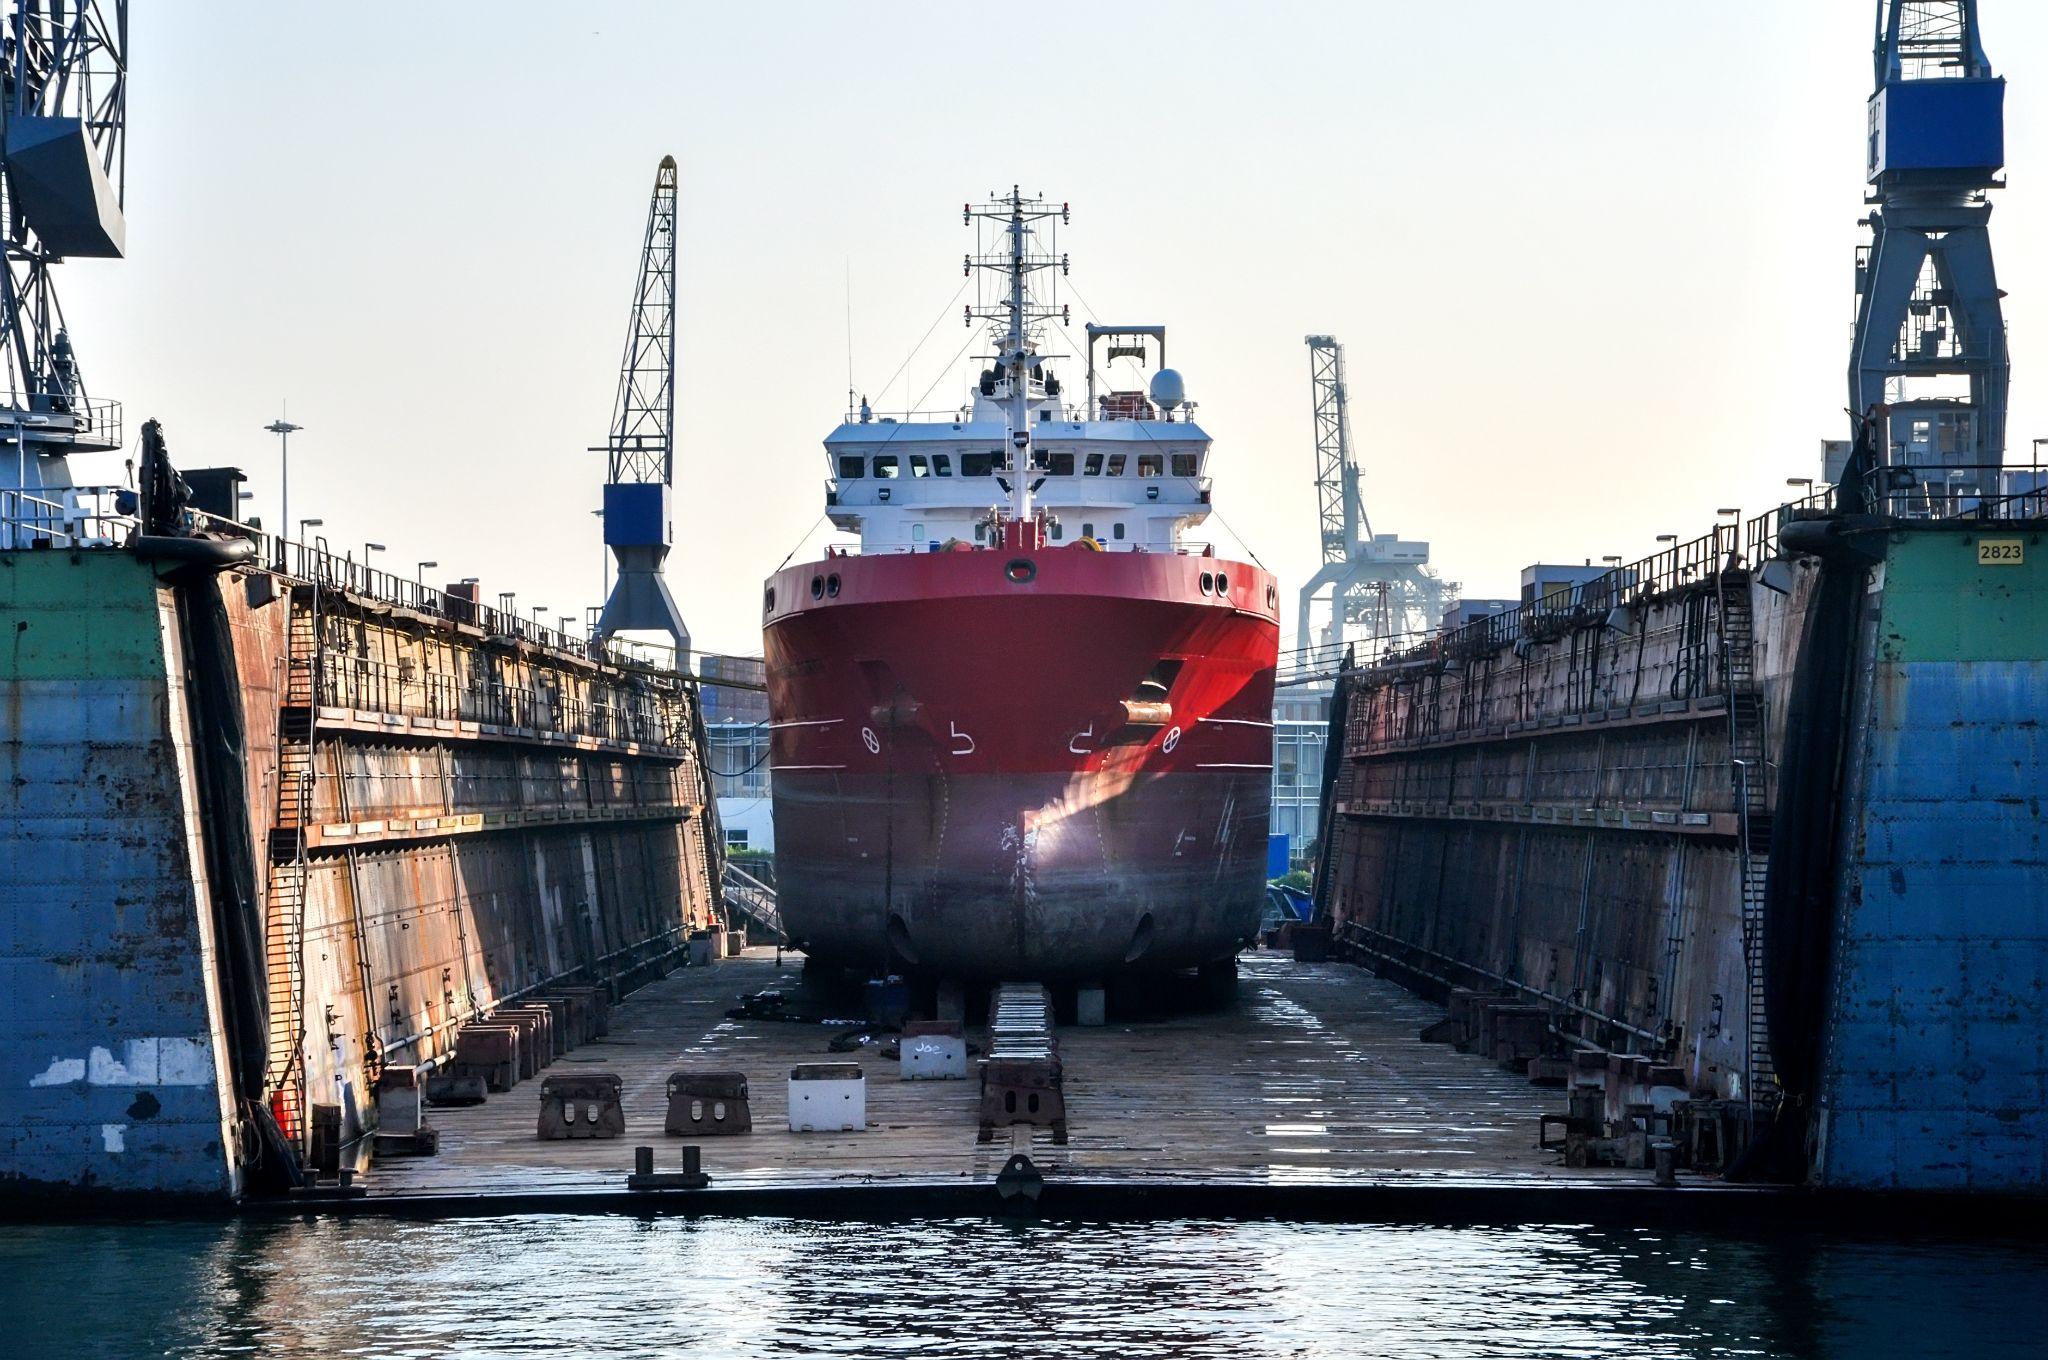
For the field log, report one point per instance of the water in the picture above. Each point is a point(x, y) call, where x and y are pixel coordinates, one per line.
point(577, 1286)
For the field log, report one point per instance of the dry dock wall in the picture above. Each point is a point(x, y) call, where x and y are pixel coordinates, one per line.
point(1560, 813)
point(110, 1043)
point(1936, 1069)
point(1563, 814)
point(439, 820)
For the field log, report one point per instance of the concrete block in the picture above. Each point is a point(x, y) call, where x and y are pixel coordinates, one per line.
point(1091, 1007)
point(932, 1051)
point(828, 1098)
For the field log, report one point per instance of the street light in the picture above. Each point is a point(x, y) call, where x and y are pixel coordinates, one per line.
point(424, 566)
point(1667, 538)
point(369, 548)
point(284, 430)
point(306, 524)
point(1802, 483)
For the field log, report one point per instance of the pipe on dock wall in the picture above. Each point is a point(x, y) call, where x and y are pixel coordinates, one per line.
point(1799, 888)
point(231, 871)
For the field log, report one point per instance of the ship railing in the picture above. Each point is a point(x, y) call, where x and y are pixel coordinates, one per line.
point(1694, 562)
point(319, 563)
point(1948, 491)
point(937, 545)
point(67, 517)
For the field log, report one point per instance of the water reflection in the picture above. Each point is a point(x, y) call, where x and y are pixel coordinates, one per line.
point(615, 1285)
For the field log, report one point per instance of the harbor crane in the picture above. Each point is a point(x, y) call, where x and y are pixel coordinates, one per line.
point(1930, 337)
point(1380, 586)
point(639, 525)
point(63, 171)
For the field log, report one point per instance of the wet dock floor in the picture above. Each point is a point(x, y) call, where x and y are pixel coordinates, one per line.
point(1314, 1076)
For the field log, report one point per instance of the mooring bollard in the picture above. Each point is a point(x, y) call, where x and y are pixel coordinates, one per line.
point(1665, 1154)
point(643, 1161)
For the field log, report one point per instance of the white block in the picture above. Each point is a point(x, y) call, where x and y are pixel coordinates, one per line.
point(828, 1098)
point(933, 1057)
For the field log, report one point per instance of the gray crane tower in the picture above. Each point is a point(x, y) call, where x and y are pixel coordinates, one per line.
point(639, 525)
point(63, 121)
point(1930, 338)
point(1380, 586)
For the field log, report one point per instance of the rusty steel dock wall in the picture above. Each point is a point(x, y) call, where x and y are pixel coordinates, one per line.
point(441, 819)
point(478, 817)
point(1562, 815)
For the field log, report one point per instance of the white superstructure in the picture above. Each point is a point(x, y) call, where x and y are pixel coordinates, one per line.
point(1131, 474)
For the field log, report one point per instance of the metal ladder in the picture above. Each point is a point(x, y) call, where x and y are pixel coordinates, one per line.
point(1749, 770)
point(748, 896)
point(284, 917)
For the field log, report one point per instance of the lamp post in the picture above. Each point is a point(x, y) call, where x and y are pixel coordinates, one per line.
point(306, 524)
point(284, 430)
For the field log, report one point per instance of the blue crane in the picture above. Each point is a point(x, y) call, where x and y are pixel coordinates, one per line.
point(1930, 337)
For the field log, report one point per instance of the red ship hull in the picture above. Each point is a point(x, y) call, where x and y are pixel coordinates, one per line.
point(1041, 763)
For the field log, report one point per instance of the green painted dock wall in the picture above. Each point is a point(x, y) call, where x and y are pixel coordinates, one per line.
point(108, 1019)
point(1936, 1069)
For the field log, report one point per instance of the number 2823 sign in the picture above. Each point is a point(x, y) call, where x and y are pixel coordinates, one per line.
point(2001, 552)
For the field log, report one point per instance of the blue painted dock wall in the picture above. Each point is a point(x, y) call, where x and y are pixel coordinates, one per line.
point(1936, 1060)
point(109, 1052)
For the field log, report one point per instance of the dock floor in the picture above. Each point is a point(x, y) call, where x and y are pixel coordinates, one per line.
point(1314, 1076)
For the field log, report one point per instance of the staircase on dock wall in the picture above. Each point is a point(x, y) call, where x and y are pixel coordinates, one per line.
point(1749, 772)
point(285, 901)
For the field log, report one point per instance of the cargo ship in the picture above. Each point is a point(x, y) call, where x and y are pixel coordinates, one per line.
point(1023, 728)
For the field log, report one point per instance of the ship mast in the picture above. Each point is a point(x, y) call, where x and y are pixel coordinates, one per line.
point(1019, 318)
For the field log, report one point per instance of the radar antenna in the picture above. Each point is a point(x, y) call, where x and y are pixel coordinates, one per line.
point(1017, 318)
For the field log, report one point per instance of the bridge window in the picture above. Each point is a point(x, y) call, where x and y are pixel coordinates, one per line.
point(942, 465)
point(1087, 531)
point(1149, 465)
point(1116, 465)
point(976, 464)
point(1059, 531)
point(1185, 464)
point(886, 465)
point(1093, 467)
point(1062, 465)
point(850, 468)
point(918, 467)
point(1117, 529)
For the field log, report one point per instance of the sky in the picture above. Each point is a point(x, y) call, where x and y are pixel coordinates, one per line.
point(1591, 263)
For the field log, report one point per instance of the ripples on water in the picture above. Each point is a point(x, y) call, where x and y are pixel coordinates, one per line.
point(569, 1287)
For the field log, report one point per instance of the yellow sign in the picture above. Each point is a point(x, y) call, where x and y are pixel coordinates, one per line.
point(2001, 552)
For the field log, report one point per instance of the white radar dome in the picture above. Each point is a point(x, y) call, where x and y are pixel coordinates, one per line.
point(1168, 391)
